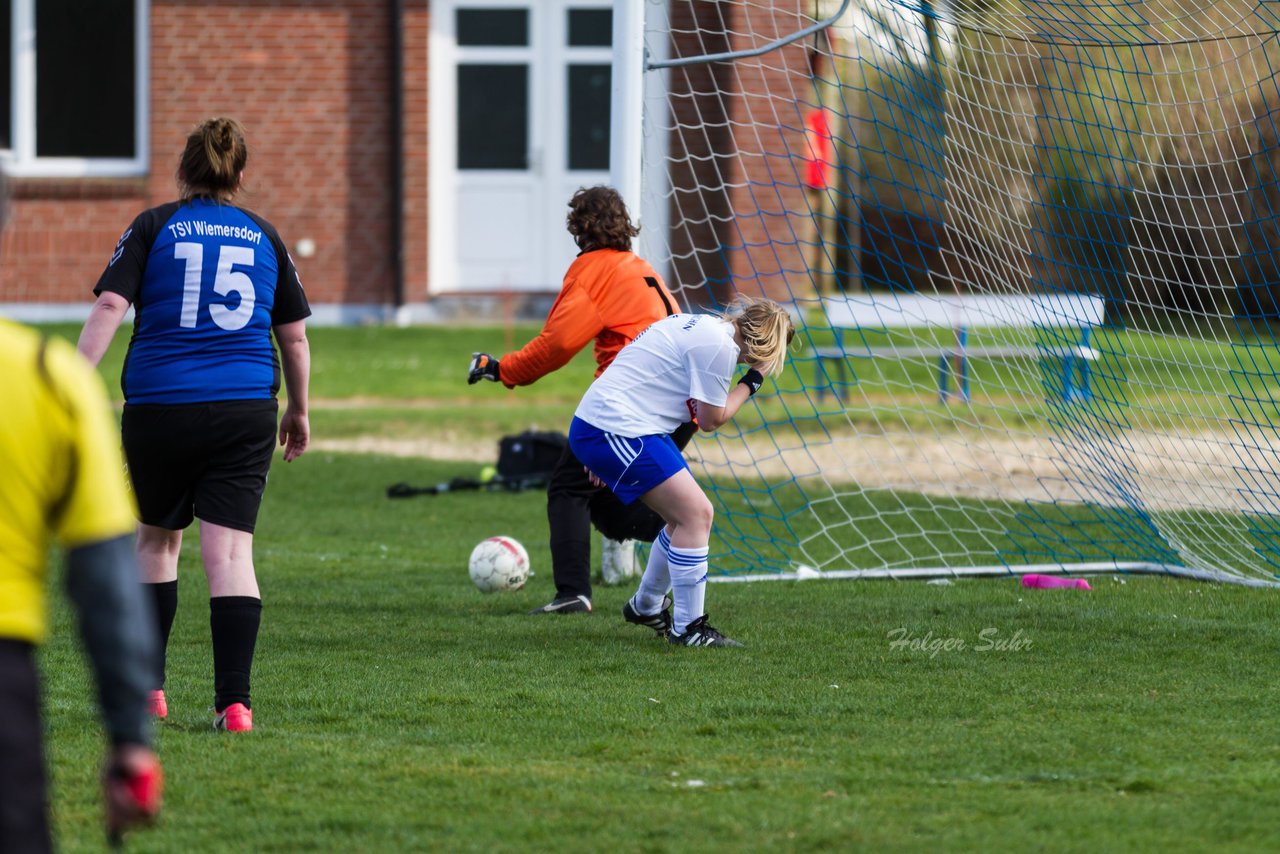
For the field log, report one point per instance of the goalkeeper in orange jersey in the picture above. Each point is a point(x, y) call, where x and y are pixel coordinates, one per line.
point(610, 295)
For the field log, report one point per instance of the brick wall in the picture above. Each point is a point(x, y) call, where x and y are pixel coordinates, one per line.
point(702, 166)
point(416, 22)
point(737, 202)
point(309, 79)
point(60, 236)
point(771, 214)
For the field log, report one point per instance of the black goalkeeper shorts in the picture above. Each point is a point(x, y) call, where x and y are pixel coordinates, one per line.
point(205, 460)
point(24, 809)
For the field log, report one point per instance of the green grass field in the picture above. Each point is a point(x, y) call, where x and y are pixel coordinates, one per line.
point(398, 709)
point(1139, 377)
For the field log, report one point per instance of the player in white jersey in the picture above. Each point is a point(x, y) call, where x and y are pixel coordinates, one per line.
point(681, 365)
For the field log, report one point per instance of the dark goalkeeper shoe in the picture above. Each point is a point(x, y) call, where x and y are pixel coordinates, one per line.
point(567, 605)
point(698, 633)
point(659, 622)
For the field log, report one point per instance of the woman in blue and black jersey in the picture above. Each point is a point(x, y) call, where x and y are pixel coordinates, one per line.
point(210, 283)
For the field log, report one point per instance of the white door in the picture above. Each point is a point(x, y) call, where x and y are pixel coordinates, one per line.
point(519, 115)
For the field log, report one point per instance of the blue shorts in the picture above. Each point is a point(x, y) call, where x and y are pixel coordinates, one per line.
point(629, 467)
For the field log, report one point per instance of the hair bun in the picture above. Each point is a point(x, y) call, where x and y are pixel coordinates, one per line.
point(213, 160)
point(224, 134)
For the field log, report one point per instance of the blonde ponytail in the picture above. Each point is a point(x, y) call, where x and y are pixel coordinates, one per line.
point(766, 331)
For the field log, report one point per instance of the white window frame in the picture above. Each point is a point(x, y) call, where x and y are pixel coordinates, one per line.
point(21, 160)
point(444, 273)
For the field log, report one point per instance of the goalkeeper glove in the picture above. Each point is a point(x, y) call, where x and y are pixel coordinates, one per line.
point(483, 367)
point(752, 379)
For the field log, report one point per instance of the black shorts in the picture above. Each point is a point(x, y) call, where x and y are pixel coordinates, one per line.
point(206, 460)
point(24, 811)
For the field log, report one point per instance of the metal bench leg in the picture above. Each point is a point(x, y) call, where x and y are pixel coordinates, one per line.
point(1086, 334)
point(822, 379)
point(1071, 389)
point(943, 370)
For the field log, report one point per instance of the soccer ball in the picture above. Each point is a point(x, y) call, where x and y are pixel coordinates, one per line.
point(499, 563)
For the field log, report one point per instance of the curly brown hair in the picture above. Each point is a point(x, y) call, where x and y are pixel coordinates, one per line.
point(598, 219)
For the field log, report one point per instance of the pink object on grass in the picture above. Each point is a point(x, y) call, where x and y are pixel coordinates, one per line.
point(1045, 582)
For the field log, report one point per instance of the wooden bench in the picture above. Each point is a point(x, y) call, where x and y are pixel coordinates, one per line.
point(853, 319)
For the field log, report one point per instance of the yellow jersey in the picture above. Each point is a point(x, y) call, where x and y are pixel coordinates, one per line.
point(61, 471)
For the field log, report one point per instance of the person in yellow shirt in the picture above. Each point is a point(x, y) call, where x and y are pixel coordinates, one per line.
point(63, 480)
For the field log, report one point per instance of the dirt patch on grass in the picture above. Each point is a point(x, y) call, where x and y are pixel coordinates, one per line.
point(1153, 470)
point(429, 448)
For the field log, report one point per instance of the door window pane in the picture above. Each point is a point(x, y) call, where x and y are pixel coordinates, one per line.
point(589, 116)
point(493, 27)
point(590, 27)
point(85, 78)
point(493, 116)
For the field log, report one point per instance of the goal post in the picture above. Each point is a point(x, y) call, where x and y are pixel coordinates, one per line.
point(1031, 248)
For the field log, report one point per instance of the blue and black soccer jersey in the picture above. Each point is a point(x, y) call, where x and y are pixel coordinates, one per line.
point(207, 282)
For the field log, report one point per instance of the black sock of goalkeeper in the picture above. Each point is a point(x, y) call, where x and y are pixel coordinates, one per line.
point(164, 603)
point(233, 622)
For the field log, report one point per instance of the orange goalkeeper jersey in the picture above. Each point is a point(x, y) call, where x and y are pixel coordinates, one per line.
point(608, 295)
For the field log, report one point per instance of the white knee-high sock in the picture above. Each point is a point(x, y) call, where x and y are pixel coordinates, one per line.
point(656, 580)
point(688, 568)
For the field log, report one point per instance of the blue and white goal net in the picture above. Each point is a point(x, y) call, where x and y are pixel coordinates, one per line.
point(1035, 255)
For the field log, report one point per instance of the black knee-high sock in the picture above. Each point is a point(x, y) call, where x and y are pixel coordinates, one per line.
point(164, 602)
point(233, 622)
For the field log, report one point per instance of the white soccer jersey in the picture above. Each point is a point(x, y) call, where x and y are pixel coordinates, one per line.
point(647, 388)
